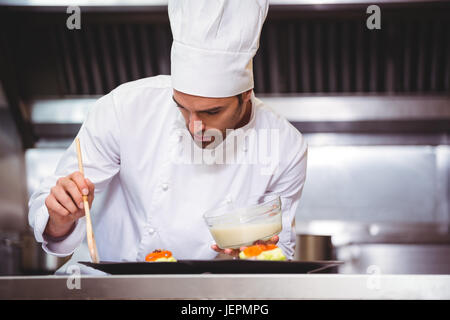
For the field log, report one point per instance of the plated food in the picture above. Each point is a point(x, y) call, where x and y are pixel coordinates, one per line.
point(262, 252)
point(160, 256)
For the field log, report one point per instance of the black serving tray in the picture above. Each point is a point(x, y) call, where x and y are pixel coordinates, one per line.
point(215, 266)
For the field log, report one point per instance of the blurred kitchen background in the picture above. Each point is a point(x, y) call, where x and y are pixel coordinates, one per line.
point(374, 106)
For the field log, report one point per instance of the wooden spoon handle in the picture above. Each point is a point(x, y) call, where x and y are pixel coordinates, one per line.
point(89, 231)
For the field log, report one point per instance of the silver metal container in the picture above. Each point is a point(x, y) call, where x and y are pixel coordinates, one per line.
point(314, 247)
point(10, 254)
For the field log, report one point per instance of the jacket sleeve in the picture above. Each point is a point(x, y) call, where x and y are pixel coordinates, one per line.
point(100, 146)
point(289, 185)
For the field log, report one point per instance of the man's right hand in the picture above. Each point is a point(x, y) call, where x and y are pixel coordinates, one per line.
point(65, 203)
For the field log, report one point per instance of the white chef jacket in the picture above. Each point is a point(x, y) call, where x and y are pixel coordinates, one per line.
point(146, 201)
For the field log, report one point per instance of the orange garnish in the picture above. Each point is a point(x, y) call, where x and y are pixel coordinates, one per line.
point(157, 254)
point(256, 250)
point(253, 251)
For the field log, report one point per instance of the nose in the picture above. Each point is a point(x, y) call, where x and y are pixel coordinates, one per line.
point(195, 123)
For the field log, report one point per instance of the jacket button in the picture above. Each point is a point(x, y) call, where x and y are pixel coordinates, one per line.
point(165, 186)
point(151, 230)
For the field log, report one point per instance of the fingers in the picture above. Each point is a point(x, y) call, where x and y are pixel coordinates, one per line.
point(231, 252)
point(216, 248)
point(63, 198)
point(84, 186)
point(67, 194)
point(71, 188)
point(91, 188)
point(60, 220)
point(65, 202)
point(53, 205)
point(80, 181)
point(273, 240)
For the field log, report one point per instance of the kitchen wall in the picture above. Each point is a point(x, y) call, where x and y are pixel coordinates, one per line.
point(13, 197)
point(376, 184)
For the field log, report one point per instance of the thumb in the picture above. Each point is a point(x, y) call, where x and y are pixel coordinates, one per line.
point(90, 185)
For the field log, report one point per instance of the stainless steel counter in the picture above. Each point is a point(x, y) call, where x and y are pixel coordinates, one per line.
point(209, 286)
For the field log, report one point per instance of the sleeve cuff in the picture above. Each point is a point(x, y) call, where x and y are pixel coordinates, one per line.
point(288, 233)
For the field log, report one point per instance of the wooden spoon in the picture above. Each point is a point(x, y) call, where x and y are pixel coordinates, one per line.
point(89, 231)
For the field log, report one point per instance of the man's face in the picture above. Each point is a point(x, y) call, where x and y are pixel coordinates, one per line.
point(201, 114)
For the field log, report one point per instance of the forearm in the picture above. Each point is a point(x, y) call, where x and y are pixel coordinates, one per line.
point(57, 232)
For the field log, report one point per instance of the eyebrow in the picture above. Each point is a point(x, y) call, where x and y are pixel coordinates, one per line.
point(207, 110)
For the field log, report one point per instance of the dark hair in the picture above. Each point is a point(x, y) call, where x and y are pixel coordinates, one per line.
point(239, 96)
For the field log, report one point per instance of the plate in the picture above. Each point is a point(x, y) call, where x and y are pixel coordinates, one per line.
point(215, 266)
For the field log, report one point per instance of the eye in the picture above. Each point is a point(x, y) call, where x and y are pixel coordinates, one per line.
point(212, 112)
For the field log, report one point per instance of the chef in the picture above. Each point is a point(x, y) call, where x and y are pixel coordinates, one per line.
point(159, 152)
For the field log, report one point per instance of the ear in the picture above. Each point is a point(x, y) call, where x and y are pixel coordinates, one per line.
point(246, 95)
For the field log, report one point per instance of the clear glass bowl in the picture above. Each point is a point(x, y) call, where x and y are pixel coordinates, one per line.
point(241, 223)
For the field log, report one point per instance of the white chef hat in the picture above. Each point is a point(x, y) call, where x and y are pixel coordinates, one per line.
point(214, 42)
